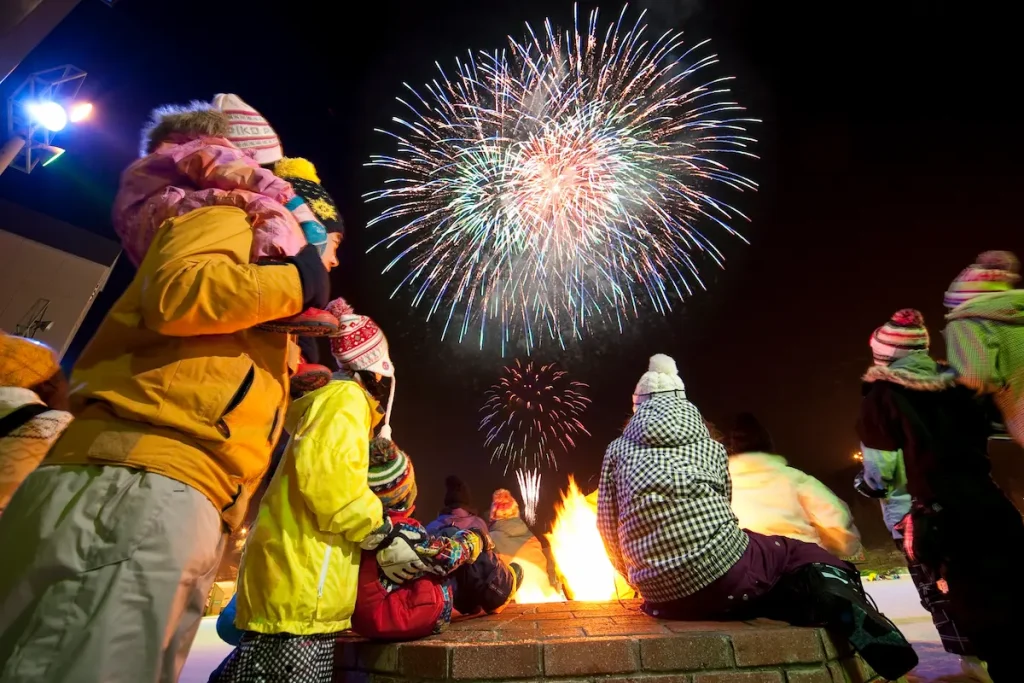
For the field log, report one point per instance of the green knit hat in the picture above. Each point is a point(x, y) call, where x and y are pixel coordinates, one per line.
point(391, 475)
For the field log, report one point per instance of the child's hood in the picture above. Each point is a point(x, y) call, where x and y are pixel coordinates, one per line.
point(1004, 307)
point(751, 463)
point(182, 123)
point(325, 402)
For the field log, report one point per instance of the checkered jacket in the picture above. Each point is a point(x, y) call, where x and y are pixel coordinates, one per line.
point(663, 506)
point(985, 345)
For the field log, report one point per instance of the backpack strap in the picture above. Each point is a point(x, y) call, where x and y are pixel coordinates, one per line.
point(18, 417)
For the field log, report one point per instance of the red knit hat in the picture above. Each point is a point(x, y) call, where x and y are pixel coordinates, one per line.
point(903, 335)
point(503, 505)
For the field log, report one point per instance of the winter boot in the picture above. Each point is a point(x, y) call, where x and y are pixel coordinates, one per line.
point(517, 571)
point(312, 322)
point(837, 599)
point(307, 377)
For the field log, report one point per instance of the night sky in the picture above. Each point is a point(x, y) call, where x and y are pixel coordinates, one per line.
point(889, 144)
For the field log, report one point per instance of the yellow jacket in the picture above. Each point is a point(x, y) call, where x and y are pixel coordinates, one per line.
point(300, 569)
point(178, 380)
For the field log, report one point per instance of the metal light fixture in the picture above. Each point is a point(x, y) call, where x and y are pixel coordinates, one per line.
point(38, 109)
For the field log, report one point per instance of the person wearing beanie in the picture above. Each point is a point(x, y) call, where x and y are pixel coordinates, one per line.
point(515, 543)
point(774, 499)
point(299, 576)
point(301, 174)
point(188, 163)
point(664, 514)
point(458, 510)
point(422, 605)
point(178, 402)
point(33, 409)
point(961, 528)
point(985, 334)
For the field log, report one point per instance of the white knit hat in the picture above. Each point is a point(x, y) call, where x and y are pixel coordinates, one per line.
point(248, 130)
point(661, 377)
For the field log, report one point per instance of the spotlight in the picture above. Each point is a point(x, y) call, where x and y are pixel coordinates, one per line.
point(80, 111)
point(49, 115)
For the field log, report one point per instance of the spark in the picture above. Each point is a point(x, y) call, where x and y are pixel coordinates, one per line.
point(529, 488)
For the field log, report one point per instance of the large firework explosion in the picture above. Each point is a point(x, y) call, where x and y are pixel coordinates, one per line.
point(563, 181)
point(532, 413)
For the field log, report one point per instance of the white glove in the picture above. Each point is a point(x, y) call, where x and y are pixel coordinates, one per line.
point(399, 560)
point(378, 536)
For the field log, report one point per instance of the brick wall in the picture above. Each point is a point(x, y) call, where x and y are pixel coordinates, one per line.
point(603, 643)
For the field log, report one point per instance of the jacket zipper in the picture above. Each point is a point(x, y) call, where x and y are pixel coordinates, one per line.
point(236, 400)
point(323, 573)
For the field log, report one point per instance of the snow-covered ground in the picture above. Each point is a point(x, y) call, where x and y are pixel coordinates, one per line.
point(897, 599)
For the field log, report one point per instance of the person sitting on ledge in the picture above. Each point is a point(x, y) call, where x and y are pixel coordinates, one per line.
point(665, 517)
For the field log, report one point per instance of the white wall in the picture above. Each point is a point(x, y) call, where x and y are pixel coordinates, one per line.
point(30, 271)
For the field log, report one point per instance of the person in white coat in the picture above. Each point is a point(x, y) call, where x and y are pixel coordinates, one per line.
point(774, 499)
point(514, 542)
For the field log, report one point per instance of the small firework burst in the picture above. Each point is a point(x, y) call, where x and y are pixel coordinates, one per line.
point(532, 413)
point(565, 182)
point(529, 488)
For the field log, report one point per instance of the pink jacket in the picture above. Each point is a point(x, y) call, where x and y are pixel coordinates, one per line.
point(179, 177)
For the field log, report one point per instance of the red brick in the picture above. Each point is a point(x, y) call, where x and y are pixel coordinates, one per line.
point(558, 607)
point(686, 652)
point(631, 629)
point(467, 636)
point(495, 660)
point(836, 647)
point(422, 660)
point(817, 675)
point(377, 657)
point(726, 627)
point(553, 616)
point(739, 677)
point(518, 625)
point(548, 632)
point(667, 678)
point(762, 647)
point(590, 656)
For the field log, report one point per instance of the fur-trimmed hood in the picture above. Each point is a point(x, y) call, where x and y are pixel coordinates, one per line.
point(181, 124)
point(918, 371)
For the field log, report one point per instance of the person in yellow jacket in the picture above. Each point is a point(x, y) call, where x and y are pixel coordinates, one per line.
point(111, 546)
point(299, 573)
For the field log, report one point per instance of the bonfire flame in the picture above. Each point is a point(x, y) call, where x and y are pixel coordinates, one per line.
point(579, 552)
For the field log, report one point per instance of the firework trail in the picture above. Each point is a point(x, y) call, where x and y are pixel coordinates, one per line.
point(529, 488)
point(562, 182)
point(532, 412)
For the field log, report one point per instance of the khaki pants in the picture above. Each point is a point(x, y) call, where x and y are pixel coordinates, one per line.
point(104, 576)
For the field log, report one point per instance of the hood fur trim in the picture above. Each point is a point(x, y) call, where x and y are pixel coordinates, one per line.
point(908, 379)
point(197, 119)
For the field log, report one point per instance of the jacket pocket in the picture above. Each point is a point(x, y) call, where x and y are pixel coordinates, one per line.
point(236, 400)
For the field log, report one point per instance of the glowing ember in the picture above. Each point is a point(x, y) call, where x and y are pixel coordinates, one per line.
point(579, 552)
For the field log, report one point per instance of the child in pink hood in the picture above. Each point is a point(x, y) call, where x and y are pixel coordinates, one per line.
point(203, 155)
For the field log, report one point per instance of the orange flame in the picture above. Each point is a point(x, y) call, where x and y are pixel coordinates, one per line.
point(579, 552)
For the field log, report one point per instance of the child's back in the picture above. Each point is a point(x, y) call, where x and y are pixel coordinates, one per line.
point(188, 164)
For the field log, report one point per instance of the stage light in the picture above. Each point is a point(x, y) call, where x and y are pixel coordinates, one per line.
point(80, 111)
point(49, 115)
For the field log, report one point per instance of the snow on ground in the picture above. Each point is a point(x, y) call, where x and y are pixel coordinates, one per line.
point(897, 599)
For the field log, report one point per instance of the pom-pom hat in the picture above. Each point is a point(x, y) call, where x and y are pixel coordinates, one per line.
point(992, 271)
point(360, 346)
point(503, 505)
point(391, 476)
point(903, 335)
point(661, 377)
point(304, 180)
point(248, 130)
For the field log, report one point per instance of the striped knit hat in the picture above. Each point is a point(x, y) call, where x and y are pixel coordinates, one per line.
point(391, 476)
point(903, 335)
point(992, 271)
point(360, 346)
point(306, 183)
point(248, 130)
point(503, 505)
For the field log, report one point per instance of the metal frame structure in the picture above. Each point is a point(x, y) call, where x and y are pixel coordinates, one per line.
point(60, 84)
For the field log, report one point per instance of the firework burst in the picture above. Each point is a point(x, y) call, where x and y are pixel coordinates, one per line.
point(529, 488)
point(531, 414)
point(562, 182)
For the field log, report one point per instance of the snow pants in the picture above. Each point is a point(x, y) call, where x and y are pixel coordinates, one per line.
point(105, 575)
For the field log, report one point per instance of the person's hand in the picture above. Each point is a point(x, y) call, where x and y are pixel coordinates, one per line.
point(316, 284)
point(378, 536)
point(399, 560)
